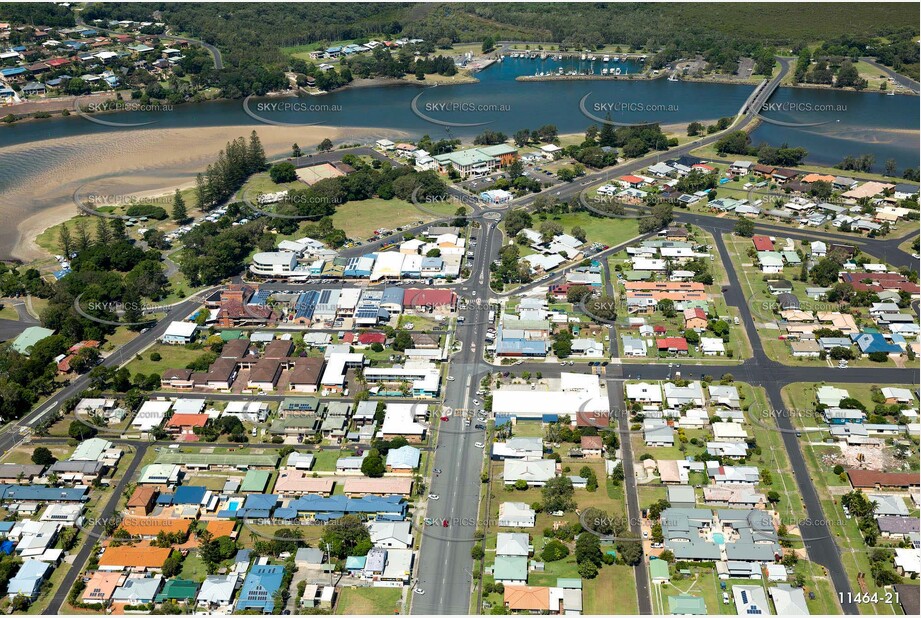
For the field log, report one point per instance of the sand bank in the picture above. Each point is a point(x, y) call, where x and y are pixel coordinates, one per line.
point(120, 164)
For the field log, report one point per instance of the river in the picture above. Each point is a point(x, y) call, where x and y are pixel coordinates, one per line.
point(73, 151)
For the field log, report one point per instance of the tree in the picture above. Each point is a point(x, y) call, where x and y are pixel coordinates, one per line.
point(557, 495)
point(579, 233)
point(667, 308)
point(773, 497)
point(103, 233)
point(296, 151)
point(373, 465)
point(402, 341)
point(179, 213)
point(489, 44)
point(554, 550)
point(347, 536)
point(745, 228)
point(476, 552)
point(65, 240)
point(283, 172)
point(41, 456)
point(326, 145)
point(255, 154)
point(80, 431)
point(173, 565)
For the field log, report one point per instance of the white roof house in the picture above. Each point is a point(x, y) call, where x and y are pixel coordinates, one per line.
point(644, 392)
point(513, 544)
point(388, 265)
point(534, 473)
point(516, 515)
point(729, 432)
point(908, 561)
point(391, 534)
point(789, 601)
point(712, 346)
point(831, 395)
point(399, 419)
point(677, 396)
point(179, 332)
point(217, 590)
point(151, 414)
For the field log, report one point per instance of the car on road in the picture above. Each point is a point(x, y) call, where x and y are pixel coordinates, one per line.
point(450, 378)
point(419, 591)
point(725, 598)
point(445, 419)
point(476, 402)
point(444, 524)
point(429, 521)
point(434, 496)
point(479, 426)
point(478, 444)
point(437, 470)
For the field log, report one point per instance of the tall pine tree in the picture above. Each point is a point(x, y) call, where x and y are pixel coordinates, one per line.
point(255, 154)
point(103, 233)
point(179, 213)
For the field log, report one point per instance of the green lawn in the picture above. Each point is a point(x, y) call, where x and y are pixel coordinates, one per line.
point(360, 219)
point(172, 357)
point(193, 568)
point(605, 230)
point(373, 601)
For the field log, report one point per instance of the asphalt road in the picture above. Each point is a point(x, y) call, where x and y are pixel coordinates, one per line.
point(15, 431)
point(904, 80)
point(96, 532)
point(444, 569)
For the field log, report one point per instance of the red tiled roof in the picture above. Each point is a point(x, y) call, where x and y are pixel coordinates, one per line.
point(187, 420)
point(672, 343)
point(369, 338)
point(763, 243)
point(872, 478)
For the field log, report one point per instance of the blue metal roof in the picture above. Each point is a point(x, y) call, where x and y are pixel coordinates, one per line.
point(263, 502)
point(341, 504)
point(189, 494)
point(260, 586)
point(43, 493)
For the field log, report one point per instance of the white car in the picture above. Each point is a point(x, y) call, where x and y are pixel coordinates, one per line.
point(478, 444)
point(450, 378)
point(434, 496)
point(476, 402)
point(419, 591)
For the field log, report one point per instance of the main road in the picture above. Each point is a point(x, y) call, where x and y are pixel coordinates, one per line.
point(444, 570)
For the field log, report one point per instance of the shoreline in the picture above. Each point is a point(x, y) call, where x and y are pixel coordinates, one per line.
point(146, 164)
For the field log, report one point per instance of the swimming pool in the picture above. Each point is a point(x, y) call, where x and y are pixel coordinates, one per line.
point(718, 538)
point(234, 505)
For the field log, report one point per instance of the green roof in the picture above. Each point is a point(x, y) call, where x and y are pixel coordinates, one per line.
point(30, 337)
point(464, 157)
point(569, 582)
point(255, 481)
point(498, 150)
point(658, 569)
point(637, 275)
point(686, 603)
point(230, 335)
point(235, 459)
point(511, 568)
point(178, 590)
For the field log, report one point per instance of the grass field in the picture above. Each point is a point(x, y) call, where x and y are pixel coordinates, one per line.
point(172, 356)
point(360, 219)
point(373, 601)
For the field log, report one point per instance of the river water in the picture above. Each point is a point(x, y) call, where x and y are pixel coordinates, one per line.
point(886, 126)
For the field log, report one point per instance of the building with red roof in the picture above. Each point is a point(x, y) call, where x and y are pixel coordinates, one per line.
point(762, 243)
point(673, 345)
point(631, 181)
point(438, 300)
point(369, 338)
